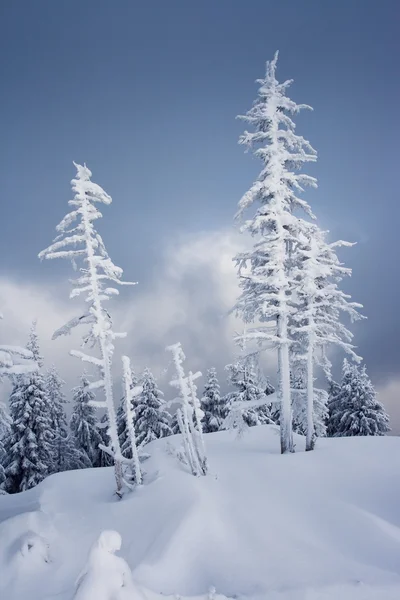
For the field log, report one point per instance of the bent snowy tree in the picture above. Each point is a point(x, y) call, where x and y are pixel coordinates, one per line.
point(189, 414)
point(264, 272)
point(79, 241)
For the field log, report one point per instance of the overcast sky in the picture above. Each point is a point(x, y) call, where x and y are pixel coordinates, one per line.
point(146, 93)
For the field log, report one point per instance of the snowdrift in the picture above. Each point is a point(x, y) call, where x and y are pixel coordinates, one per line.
point(309, 526)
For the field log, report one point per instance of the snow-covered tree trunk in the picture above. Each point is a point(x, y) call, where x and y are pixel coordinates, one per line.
point(130, 393)
point(185, 414)
point(197, 416)
point(310, 437)
point(284, 387)
point(105, 343)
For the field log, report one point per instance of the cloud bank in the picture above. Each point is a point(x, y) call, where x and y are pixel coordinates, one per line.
point(187, 298)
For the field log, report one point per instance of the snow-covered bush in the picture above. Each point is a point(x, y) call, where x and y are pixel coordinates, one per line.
point(106, 575)
point(189, 414)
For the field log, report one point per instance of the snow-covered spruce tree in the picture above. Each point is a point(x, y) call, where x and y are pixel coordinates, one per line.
point(243, 378)
point(213, 404)
point(83, 422)
point(319, 306)
point(264, 274)
point(355, 410)
point(29, 447)
point(59, 427)
point(78, 240)
point(152, 420)
point(66, 453)
point(185, 414)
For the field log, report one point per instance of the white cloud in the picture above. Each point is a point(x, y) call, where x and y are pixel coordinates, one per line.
point(186, 300)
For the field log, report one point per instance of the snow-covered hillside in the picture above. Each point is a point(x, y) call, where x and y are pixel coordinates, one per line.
point(308, 526)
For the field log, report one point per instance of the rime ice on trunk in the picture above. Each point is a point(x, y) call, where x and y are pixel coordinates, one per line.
point(189, 414)
point(129, 393)
point(197, 416)
point(82, 242)
point(264, 272)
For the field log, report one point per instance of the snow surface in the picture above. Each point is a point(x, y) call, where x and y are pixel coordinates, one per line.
point(320, 525)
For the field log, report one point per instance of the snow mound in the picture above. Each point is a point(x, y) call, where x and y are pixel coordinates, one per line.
point(310, 526)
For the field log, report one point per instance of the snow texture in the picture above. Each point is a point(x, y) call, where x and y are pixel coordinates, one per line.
point(310, 526)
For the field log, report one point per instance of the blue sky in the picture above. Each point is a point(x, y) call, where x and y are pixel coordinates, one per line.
point(147, 93)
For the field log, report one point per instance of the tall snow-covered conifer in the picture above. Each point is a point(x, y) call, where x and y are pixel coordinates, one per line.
point(152, 420)
point(29, 447)
point(78, 240)
point(83, 421)
point(355, 409)
point(264, 272)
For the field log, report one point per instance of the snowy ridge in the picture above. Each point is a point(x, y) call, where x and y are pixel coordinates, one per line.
point(309, 526)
